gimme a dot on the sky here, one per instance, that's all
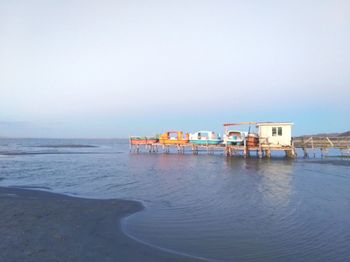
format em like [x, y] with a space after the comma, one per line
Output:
[105, 69]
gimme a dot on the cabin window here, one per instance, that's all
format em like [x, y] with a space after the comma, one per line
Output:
[277, 131]
[280, 131]
[274, 131]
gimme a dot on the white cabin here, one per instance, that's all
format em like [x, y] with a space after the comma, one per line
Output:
[275, 133]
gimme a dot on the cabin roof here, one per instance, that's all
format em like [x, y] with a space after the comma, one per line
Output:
[274, 124]
[258, 123]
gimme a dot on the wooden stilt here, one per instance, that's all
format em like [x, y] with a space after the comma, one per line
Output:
[268, 153]
[245, 151]
[324, 152]
[305, 152]
[260, 153]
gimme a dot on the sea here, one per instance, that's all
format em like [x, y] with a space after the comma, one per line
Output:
[206, 206]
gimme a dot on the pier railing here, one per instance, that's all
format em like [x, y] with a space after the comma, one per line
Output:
[322, 142]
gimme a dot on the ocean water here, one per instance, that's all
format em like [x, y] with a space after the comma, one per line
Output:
[209, 206]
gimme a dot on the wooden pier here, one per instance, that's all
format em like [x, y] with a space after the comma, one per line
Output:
[270, 137]
[262, 150]
[309, 146]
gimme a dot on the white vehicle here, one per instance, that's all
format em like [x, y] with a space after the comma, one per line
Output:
[234, 137]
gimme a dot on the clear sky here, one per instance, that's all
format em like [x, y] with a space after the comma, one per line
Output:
[115, 68]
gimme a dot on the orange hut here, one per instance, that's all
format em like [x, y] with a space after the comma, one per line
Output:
[174, 138]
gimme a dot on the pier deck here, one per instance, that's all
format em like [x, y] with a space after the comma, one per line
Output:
[229, 150]
[306, 144]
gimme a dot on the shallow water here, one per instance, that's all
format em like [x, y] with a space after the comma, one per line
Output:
[211, 206]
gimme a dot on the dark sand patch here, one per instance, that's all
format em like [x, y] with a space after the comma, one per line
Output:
[42, 226]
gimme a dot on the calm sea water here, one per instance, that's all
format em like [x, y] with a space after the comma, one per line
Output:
[211, 206]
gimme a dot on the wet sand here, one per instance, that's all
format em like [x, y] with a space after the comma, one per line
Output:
[42, 226]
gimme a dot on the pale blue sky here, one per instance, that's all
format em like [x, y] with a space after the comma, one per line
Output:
[114, 68]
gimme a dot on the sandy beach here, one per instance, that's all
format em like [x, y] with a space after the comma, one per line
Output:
[43, 226]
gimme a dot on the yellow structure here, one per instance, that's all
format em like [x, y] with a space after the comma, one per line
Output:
[173, 138]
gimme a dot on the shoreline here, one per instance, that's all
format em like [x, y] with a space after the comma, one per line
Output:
[40, 226]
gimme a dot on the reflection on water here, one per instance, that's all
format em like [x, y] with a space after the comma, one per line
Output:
[215, 206]
[230, 209]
